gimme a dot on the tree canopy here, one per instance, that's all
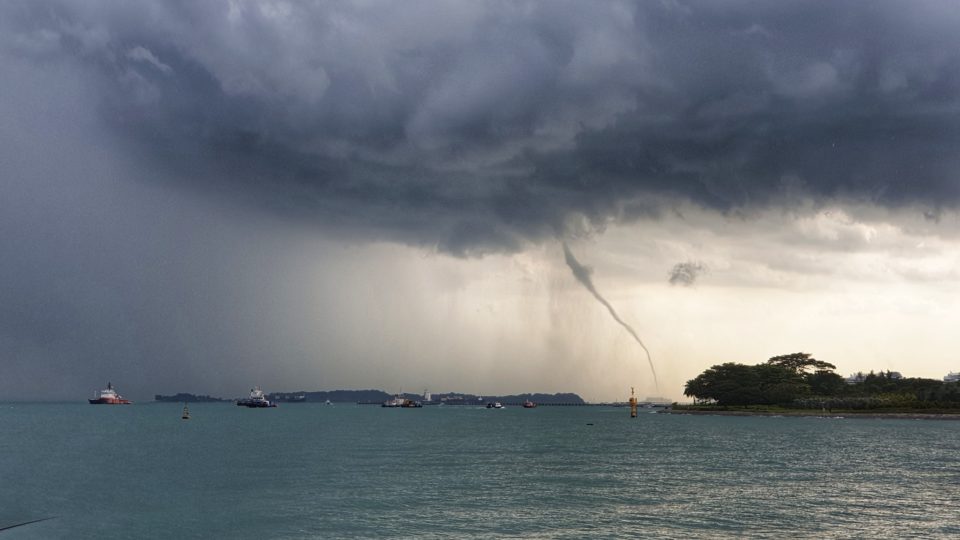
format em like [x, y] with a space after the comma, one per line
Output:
[800, 362]
[799, 380]
[739, 384]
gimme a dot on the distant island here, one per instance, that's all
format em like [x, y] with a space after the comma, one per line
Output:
[184, 397]
[798, 382]
[379, 396]
[447, 398]
[568, 398]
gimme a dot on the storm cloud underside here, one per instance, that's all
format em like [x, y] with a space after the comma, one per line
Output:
[480, 126]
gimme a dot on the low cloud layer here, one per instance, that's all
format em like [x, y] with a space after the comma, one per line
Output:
[481, 126]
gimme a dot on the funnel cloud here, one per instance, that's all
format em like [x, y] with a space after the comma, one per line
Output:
[685, 274]
[582, 273]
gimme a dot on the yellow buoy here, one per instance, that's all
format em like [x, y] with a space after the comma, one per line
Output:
[633, 404]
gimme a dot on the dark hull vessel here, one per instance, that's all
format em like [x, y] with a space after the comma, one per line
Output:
[256, 400]
[255, 404]
[402, 403]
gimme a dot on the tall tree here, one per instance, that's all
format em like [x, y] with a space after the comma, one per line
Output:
[825, 383]
[779, 384]
[738, 384]
[800, 362]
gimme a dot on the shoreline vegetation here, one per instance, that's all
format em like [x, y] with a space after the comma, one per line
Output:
[799, 385]
[902, 414]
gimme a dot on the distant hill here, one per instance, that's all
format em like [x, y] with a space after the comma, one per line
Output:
[540, 399]
[336, 396]
[377, 396]
[568, 398]
[184, 397]
[451, 398]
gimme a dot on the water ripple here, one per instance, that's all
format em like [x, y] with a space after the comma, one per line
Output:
[306, 471]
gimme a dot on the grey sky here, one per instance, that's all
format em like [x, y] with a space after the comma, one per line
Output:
[164, 164]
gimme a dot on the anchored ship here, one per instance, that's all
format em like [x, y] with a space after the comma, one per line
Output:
[256, 400]
[401, 402]
[109, 396]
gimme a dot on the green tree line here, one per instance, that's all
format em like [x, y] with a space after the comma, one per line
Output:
[799, 380]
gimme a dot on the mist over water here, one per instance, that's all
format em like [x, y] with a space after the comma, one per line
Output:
[582, 273]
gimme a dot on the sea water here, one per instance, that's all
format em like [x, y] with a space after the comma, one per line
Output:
[352, 471]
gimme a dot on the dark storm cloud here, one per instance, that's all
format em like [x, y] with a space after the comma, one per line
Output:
[477, 126]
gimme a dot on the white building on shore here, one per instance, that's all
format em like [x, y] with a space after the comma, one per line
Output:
[860, 376]
[856, 378]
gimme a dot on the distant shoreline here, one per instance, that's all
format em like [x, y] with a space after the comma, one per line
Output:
[822, 414]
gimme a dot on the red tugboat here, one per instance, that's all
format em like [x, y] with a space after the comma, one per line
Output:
[529, 404]
[109, 397]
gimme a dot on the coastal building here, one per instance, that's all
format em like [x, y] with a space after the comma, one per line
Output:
[856, 378]
[860, 376]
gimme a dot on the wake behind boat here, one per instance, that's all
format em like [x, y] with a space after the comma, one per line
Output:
[256, 400]
[109, 396]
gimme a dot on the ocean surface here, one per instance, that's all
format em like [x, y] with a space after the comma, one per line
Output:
[351, 471]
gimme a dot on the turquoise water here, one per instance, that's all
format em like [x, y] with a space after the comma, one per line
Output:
[347, 471]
